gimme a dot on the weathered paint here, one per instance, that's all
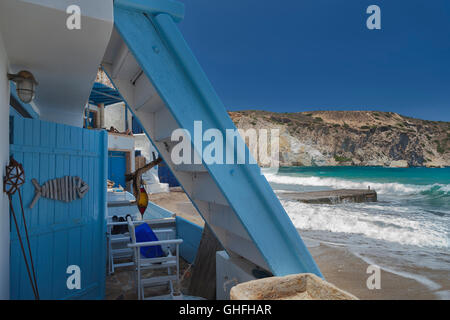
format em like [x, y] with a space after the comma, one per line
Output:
[61, 234]
[187, 94]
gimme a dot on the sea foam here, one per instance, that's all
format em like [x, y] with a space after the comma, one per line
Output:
[357, 220]
[336, 183]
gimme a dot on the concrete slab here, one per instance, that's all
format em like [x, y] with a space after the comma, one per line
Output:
[333, 196]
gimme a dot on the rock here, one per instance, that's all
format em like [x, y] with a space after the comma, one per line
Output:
[436, 164]
[362, 138]
[375, 163]
[399, 164]
[303, 286]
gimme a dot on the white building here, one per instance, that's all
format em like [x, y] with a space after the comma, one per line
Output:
[64, 69]
[104, 112]
[62, 43]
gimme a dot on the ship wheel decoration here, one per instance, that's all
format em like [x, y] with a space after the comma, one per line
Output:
[14, 178]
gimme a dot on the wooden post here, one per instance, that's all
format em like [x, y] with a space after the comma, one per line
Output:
[137, 175]
[203, 281]
[101, 115]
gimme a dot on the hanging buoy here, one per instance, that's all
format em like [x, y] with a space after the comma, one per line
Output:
[142, 201]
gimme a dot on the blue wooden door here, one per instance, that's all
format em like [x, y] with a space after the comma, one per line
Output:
[117, 165]
[61, 234]
[166, 176]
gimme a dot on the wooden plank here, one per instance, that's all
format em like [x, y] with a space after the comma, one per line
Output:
[203, 282]
[18, 131]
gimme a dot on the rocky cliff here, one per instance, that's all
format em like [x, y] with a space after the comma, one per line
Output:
[361, 138]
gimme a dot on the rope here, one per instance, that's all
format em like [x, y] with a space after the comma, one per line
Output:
[15, 177]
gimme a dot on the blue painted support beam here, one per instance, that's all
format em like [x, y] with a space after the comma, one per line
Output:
[162, 53]
[153, 7]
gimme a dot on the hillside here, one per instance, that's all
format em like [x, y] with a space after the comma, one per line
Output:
[362, 138]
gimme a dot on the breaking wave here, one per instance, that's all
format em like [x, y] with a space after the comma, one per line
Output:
[408, 214]
[359, 220]
[407, 230]
[381, 188]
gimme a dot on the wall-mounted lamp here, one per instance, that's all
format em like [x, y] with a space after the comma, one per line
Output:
[25, 85]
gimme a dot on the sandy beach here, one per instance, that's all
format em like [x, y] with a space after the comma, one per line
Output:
[338, 265]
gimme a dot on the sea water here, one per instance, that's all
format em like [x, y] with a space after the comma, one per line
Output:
[406, 232]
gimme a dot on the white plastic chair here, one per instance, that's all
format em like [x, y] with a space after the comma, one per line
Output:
[118, 249]
[170, 261]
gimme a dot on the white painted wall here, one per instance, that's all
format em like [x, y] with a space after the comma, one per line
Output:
[143, 144]
[4, 155]
[115, 117]
[33, 37]
[63, 61]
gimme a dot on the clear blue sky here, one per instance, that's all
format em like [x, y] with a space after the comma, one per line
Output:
[301, 55]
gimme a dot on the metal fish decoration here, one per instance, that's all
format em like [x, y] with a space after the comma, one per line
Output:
[63, 189]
